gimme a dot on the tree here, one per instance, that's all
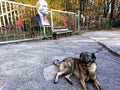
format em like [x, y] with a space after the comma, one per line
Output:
[112, 10]
[71, 5]
[106, 7]
[55, 4]
[52, 4]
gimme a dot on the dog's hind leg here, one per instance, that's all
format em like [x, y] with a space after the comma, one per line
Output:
[67, 77]
[59, 74]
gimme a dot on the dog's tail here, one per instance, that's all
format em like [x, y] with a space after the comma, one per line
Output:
[56, 63]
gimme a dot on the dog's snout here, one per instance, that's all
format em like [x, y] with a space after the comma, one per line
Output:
[86, 63]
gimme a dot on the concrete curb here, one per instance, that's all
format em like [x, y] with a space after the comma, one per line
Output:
[18, 41]
[109, 49]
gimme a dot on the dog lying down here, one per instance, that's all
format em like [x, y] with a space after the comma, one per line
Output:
[83, 68]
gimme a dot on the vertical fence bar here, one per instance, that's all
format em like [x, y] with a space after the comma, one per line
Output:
[79, 27]
[99, 23]
[14, 11]
[1, 31]
[18, 13]
[11, 16]
[2, 11]
[6, 10]
[51, 13]
[0, 16]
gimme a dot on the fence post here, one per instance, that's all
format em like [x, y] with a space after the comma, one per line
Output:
[87, 22]
[99, 24]
[51, 18]
[2, 12]
[107, 23]
[6, 35]
[79, 27]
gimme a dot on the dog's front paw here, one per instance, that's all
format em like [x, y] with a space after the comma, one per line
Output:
[71, 83]
[55, 82]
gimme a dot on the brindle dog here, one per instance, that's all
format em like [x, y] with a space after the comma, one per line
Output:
[83, 68]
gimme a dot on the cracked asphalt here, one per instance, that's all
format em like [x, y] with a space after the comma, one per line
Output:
[29, 65]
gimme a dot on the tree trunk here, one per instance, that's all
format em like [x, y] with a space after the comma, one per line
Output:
[112, 10]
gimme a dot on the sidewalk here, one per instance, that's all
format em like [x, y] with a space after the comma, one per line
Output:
[109, 39]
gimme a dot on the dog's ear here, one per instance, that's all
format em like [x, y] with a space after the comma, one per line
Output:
[81, 55]
[93, 56]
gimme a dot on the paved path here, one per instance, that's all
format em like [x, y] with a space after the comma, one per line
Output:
[111, 40]
[28, 65]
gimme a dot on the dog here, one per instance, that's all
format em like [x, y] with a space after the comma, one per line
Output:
[83, 68]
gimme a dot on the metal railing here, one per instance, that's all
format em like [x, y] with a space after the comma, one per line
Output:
[64, 19]
[17, 22]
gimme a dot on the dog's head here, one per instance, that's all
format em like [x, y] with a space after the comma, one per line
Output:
[87, 58]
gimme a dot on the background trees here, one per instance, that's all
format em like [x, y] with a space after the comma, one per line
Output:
[93, 8]
[54, 4]
[106, 8]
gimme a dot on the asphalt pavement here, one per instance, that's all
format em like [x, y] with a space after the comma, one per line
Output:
[29, 65]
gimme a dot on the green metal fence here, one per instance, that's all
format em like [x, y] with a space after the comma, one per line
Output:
[17, 22]
[64, 19]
